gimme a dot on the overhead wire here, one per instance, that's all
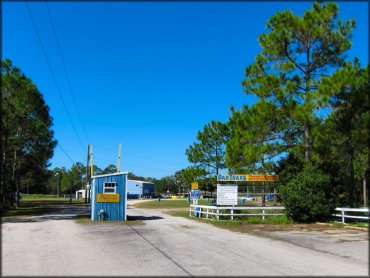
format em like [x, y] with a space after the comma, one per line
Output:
[127, 163]
[139, 156]
[71, 89]
[153, 159]
[66, 72]
[66, 153]
[53, 75]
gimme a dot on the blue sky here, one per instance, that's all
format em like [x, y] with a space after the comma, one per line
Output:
[148, 75]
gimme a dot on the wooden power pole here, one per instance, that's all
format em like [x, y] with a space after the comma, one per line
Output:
[87, 172]
[119, 159]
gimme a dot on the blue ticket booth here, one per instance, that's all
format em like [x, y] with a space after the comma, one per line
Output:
[109, 197]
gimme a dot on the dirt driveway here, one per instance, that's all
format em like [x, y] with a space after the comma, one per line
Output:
[162, 245]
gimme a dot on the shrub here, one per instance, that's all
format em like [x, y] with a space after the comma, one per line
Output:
[308, 196]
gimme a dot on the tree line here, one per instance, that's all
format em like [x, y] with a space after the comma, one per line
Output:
[27, 139]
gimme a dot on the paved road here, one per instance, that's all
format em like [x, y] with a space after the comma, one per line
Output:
[161, 245]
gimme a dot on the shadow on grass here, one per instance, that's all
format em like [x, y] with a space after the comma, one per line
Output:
[40, 210]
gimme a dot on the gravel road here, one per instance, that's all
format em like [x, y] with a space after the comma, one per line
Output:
[161, 245]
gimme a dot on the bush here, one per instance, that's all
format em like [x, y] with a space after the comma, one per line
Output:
[308, 196]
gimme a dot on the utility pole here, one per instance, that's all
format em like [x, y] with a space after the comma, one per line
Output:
[87, 172]
[119, 159]
[91, 162]
[13, 176]
[91, 168]
[59, 177]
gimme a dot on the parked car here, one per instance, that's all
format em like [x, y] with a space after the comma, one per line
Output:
[166, 196]
[249, 198]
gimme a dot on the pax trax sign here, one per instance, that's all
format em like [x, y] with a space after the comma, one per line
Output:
[237, 177]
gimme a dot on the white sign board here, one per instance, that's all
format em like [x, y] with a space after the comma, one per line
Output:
[227, 194]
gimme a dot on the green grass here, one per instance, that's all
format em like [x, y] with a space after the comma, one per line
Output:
[238, 225]
[27, 210]
[282, 219]
[248, 224]
[46, 197]
[38, 197]
[169, 204]
[36, 204]
[363, 225]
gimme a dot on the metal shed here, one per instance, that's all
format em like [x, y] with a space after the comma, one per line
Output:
[139, 189]
[109, 197]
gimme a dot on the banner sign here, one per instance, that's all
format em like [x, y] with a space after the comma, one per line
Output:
[263, 178]
[107, 198]
[256, 177]
[232, 177]
[227, 194]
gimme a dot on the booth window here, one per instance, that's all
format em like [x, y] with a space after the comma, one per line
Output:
[109, 187]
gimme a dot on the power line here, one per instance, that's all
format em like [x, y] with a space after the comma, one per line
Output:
[126, 163]
[66, 153]
[66, 72]
[53, 75]
[153, 159]
[105, 148]
[143, 157]
[130, 164]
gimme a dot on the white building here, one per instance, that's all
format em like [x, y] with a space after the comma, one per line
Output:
[80, 193]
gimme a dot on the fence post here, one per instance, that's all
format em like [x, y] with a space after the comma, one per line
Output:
[217, 215]
[232, 214]
[207, 213]
[343, 216]
[263, 214]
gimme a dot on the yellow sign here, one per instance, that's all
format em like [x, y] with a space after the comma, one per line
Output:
[194, 185]
[263, 178]
[237, 177]
[107, 198]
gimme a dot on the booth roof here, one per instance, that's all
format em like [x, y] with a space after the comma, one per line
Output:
[108, 175]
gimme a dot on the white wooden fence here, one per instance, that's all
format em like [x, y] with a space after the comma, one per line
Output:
[217, 211]
[210, 212]
[360, 211]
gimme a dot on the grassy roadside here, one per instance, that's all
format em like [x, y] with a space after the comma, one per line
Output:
[37, 204]
[254, 224]
[180, 208]
[169, 204]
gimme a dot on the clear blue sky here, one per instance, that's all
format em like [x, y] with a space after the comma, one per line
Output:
[148, 75]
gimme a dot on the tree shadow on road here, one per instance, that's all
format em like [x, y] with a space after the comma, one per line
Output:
[143, 218]
[46, 214]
